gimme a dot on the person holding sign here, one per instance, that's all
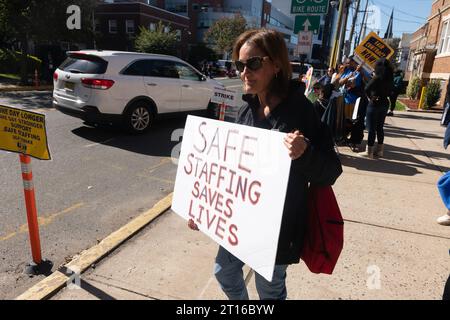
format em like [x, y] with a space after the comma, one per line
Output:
[275, 102]
[378, 91]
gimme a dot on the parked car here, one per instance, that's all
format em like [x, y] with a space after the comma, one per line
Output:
[128, 88]
[298, 70]
[227, 68]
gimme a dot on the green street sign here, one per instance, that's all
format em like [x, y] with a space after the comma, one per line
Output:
[307, 23]
[310, 6]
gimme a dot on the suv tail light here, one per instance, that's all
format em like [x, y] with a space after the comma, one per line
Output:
[101, 84]
[55, 76]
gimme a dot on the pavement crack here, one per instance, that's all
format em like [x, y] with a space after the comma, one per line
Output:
[397, 229]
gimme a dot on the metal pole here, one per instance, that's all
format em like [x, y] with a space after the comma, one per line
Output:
[333, 57]
[343, 32]
[93, 30]
[355, 17]
[362, 25]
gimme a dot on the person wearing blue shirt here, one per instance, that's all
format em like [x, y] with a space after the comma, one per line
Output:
[351, 86]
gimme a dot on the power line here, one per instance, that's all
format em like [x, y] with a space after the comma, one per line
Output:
[398, 10]
[396, 19]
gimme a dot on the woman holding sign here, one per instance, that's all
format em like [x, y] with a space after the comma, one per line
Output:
[378, 91]
[275, 102]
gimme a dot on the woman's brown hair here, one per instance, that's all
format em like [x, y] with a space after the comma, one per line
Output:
[272, 44]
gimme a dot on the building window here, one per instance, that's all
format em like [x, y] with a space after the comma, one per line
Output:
[129, 26]
[112, 26]
[178, 32]
[444, 43]
[152, 26]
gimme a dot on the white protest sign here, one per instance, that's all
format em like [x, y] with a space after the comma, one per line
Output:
[232, 182]
[226, 96]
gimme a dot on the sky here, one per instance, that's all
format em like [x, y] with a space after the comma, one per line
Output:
[409, 15]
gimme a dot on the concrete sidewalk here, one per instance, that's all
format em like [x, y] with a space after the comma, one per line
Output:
[393, 249]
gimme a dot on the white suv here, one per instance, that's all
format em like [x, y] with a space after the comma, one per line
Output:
[128, 88]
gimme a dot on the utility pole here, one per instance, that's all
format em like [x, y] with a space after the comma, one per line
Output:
[343, 30]
[355, 17]
[362, 26]
[93, 29]
[334, 52]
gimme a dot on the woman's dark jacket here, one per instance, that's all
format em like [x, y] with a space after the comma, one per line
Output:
[319, 164]
[378, 90]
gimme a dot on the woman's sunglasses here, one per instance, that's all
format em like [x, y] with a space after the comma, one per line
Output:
[253, 64]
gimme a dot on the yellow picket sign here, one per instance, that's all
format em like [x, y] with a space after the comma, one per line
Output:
[23, 132]
[371, 49]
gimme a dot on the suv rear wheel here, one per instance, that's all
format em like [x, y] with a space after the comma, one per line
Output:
[139, 117]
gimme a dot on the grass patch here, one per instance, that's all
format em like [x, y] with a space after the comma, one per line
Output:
[399, 106]
[10, 76]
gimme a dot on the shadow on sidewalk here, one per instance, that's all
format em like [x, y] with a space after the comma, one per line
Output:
[396, 132]
[397, 161]
[416, 116]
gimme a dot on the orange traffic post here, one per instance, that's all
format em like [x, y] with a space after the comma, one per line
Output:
[30, 202]
[36, 78]
[222, 111]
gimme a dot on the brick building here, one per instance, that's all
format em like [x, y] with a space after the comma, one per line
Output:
[429, 56]
[440, 34]
[117, 24]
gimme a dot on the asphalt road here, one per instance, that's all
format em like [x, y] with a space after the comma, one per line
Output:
[98, 180]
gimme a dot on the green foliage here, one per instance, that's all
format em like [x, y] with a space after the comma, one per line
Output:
[433, 93]
[223, 33]
[43, 20]
[10, 62]
[157, 41]
[413, 88]
[199, 53]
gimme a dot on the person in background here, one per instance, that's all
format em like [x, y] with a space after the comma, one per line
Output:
[357, 130]
[323, 94]
[210, 70]
[378, 91]
[337, 76]
[326, 78]
[351, 86]
[444, 185]
[444, 190]
[397, 89]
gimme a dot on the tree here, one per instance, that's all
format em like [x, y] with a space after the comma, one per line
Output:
[223, 33]
[393, 43]
[161, 40]
[413, 88]
[43, 20]
[200, 52]
[433, 93]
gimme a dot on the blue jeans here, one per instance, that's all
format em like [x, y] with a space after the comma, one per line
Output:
[375, 117]
[228, 271]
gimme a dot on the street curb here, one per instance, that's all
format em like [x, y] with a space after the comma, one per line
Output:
[29, 88]
[419, 110]
[423, 111]
[58, 279]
